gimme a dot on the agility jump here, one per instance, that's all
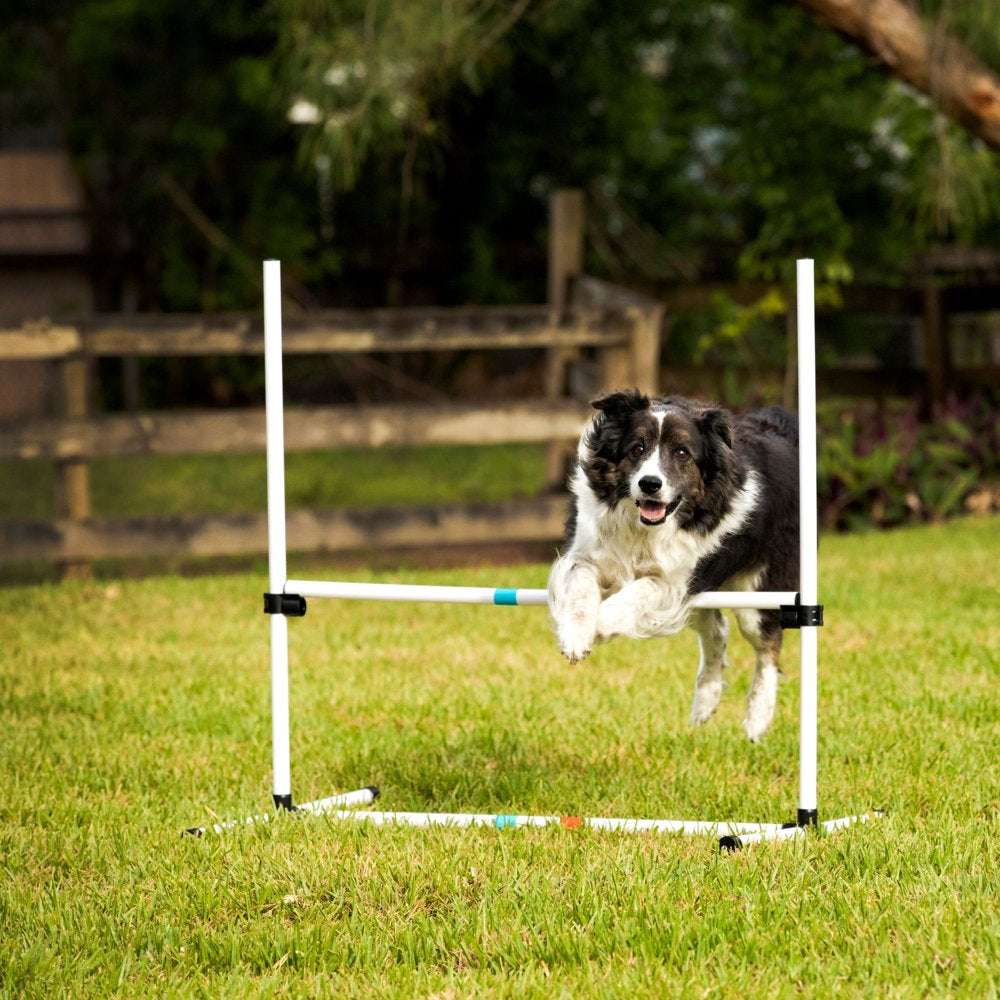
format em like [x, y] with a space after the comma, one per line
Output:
[288, 598]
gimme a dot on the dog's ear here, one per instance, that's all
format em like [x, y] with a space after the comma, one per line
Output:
[607, 432]
[621, 403]
[716, 427]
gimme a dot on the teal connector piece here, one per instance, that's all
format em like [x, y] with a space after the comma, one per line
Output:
[505, 822]
[504, 595]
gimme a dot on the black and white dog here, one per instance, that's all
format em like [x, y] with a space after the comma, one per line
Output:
[671, 498]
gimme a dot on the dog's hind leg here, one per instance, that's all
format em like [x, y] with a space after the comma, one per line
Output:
[712, 629]
[763, 631]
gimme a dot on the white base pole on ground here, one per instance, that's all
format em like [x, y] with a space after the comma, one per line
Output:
[503, 821]
[793, 831]
[363, 796]
[732, 835]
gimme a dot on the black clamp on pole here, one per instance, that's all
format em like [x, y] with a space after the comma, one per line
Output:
[807, 817]
[289, 605]
[798, 614]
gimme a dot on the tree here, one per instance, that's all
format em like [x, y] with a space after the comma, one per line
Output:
[926, 56]
[699, 132]
[714, 141]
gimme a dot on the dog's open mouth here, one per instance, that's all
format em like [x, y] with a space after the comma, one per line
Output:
[654, 512]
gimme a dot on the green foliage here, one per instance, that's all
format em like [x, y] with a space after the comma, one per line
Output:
[734, 136]
[883, 466]
[365, 74]
[744, 331]
[724, 139]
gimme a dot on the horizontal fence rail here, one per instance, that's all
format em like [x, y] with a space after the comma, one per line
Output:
[530, 521]
[318, 427]
[326, 331]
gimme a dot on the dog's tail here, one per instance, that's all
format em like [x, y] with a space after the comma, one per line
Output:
[775, 420]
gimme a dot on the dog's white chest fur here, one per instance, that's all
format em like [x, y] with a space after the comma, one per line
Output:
[622, 549]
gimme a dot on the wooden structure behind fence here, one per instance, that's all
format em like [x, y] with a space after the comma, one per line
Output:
[622, 337]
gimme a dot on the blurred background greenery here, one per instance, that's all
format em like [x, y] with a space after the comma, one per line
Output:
[397, 153]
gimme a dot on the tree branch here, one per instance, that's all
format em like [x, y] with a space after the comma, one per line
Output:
[930, 60]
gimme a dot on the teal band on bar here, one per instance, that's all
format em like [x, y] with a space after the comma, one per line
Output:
[505, 595]
[505, 822]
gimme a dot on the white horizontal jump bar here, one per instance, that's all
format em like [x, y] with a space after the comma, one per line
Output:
[760, 600]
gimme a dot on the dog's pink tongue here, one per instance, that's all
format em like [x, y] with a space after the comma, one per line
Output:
[652, 510]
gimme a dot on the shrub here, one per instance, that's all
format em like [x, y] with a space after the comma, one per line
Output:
[881, 465]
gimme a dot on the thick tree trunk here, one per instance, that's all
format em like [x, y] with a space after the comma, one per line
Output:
[928, 59]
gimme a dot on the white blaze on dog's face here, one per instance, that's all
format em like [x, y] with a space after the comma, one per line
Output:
[656, 456]
[664, 447]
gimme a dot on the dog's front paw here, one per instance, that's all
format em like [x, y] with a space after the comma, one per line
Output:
[706, 701]
[576, 641]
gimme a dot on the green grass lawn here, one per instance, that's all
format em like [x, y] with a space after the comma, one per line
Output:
[149, 485]
[134, 709]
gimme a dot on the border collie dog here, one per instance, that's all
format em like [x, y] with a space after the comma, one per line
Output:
[671, 498]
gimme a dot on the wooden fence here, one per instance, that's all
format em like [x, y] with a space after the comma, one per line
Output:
[622, 333]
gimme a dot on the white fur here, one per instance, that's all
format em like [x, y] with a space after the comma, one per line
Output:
[762, 698]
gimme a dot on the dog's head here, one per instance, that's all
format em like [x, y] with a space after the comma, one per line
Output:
[662, 455]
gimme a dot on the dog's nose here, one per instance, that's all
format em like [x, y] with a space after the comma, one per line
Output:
[650, 485]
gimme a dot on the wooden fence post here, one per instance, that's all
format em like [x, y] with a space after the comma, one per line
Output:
[73, 475]
[566, 224]
[935, 340]
[645, 347]
[636, 363]
[566, 237]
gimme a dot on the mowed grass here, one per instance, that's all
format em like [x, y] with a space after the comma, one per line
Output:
[132, 710]
[237, 484]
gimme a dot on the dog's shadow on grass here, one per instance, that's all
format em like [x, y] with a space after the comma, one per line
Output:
[682, 772]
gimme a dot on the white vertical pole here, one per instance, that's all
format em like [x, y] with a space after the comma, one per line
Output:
[808, 538]
[277, 558]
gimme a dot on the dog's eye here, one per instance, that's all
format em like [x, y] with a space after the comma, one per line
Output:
[637, 450]
[681, 454]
